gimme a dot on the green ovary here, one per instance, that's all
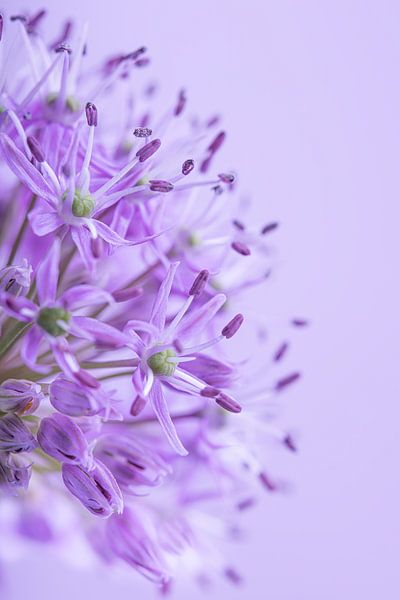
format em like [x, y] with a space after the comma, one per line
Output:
[82, 206]
[159, 364]
[70, 102]
[48, 320]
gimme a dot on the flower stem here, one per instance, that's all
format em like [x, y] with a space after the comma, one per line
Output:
[21, 232]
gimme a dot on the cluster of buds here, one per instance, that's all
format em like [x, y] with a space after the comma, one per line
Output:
[123, 264]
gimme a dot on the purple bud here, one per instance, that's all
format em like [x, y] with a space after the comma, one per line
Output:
[15, 436]
[159, 185]
[241, 248]
[280, 353]
[187, 166]
[209, 392]
[180, 105]
[85, 378]
[63, 48]
[96, 489]
[15, 474]
[268, 228]
[199, 283]
[62, 439]
[217, 142]
[228, 403]
[142, 132]
[227, 177]
[148, 150]
[232, 327]
[20, 396]
[75, 400]
[285, 381]
[91, 114]
[36, 148]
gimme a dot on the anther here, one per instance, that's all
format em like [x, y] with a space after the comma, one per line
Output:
[241, 248]
[159, 185]
[187, 166]
[148, 150]
[199, 283]
[142, 132]
[36, 148]
[233, 326]
[91, 114]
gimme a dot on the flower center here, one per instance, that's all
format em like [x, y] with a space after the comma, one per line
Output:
[82, 205]
[49, 319]
[159, 363]
[71, 104]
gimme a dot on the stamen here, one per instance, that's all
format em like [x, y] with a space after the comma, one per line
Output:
[159, 185]
[180, 104]
[199, 283]
[63, 47]
[286, 381]
[34, 21]
[209, 392]
[127, 294]
[187, 167]
[91, 114]
[142, 132]
[21, 18]
[228, 403]
[289, 443]
[267, 482]
[233, 326]
[280, 353]
[148, 150]
[299, 322]
[36, 148]
[227, 177]
[217, 142]
[63, 36]
[241, 248]
[238, 224]
[269, 227]
[137, 406]
[1, 26]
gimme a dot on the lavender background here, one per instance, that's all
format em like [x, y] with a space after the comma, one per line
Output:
[311, 98]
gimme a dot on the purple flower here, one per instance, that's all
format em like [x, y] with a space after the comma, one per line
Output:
[60, 437]
[96, 489]
[20, 396]
[76, 400]
[15, 435]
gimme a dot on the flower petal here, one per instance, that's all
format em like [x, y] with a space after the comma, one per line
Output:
[44, 220]
[18, 307]
[30, 349]
[81, 296]
[25, 171]
[159, 312]
[92, 329]
[160, 408]
[193, 324]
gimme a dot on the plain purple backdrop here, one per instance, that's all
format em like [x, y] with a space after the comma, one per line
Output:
[310, 95]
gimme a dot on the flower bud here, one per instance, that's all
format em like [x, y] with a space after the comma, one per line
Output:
[76, 400]
[15, 474]
[20, 396]
[96, 489]
[60, 437]
[15, 436]
[16, 280]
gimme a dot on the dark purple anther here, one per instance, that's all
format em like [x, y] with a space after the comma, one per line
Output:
[245, 504]
[91, 114]
[159, 185]
[180, 105]
[289, 443]
[228, 403]
[36, 148]
[280, 353]
[148, 150]
[233, 326]
[18, 18]
[34, 21]
[299, 322]
[138, 405]
[199, 283]
[135, 54]
[233, 576]
[65, 33]
[63, 48]
[86, 379]
[267, 482]
[217, 142]
[187, 166]
[127, 294]
[142, 132]
[238, 224]
[241, 248]
[227, 177]
[1, 26]
[285, 381]
[142, 62]
[268, 228]
[209, 392]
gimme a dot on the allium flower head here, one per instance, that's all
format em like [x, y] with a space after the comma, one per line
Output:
[125, 400]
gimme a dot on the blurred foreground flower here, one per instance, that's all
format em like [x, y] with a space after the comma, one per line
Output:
[124, 261]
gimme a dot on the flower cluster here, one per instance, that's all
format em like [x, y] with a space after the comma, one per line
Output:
[123, 262]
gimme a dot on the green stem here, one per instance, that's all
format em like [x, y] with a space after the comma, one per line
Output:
[21, 232]
[14, 334]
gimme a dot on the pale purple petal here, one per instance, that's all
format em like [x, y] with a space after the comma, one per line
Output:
[160, 408]
[81, 296]
[159, 312]
[43, 220]
[30, 349]
[47, 274]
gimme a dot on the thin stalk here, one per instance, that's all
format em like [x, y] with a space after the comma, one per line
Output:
[21, 232]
